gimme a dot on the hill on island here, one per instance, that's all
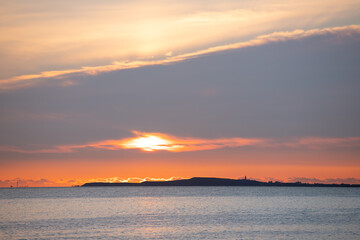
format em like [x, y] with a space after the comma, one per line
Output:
[207, 181]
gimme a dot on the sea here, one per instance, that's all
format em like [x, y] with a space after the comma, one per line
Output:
[180, 213]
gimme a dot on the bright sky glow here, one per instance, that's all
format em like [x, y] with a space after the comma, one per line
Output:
[148, 143]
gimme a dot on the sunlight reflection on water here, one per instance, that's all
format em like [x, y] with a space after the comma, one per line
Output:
[180, 213]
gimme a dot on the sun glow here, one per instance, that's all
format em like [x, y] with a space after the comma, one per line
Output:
[149, 143]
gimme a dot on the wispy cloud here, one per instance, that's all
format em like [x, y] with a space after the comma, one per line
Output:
[158, 141]
[33, 79]
[316, 142]
[56, 149]
[42, 35]
[150, 142]
[342, 142]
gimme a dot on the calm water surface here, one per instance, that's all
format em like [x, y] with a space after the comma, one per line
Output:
[180, 213]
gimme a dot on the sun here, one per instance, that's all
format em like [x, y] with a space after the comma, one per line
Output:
[148, 143]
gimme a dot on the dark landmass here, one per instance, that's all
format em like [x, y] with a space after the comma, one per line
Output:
[205, 181]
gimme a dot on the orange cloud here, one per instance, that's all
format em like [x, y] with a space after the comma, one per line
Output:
[158, 141]
[33, 79]
[60, 36]
[150, 142]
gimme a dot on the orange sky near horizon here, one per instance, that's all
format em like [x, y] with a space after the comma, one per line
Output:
[70, 172]
[162, 156]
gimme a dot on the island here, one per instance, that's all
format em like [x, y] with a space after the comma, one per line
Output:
[209, 181]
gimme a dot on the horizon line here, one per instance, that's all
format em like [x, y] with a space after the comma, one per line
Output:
[136, 180]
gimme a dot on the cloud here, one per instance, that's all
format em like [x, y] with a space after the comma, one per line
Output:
[132, 179]
[150, 142]
[350, 141]
[317, 142]
[33, 79]
[159, 141]
[62, 34]
[56, 149]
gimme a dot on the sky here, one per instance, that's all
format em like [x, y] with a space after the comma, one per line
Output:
[128, 91]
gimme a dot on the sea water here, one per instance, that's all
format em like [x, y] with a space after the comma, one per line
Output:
[180, 213]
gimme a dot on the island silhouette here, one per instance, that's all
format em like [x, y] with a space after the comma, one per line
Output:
[210, 181]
